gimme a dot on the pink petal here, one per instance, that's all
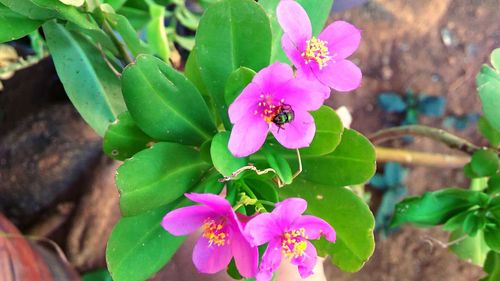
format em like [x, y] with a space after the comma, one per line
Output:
[186, 220]
[302, 94]
[307, 73]
[245, 103]
[262, 229]
[306, 262]
[295, 22]
[218, 204]
[315, 227]
[211, 258]
[343, 39]
[341, 75]
[292, 52]
[264, 275]
[289, 210]
[248, 135]
[273, 76]
[245, 256]
[270, 260]
[297, 134]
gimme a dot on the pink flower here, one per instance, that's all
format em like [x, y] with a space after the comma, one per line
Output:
[321, 58]
[222, 236]
[287, 231]
[274, 101]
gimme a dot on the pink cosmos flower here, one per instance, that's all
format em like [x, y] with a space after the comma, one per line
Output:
[287, 231]
[321, 58]
[222, 236]
[274, 101]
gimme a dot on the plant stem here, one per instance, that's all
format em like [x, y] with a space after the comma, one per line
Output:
[258, 205]
[440, 135]
[404, 156]
[478, 184]
[121, 48]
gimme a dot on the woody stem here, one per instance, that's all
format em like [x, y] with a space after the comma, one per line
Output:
[439, 135]
[405, 156]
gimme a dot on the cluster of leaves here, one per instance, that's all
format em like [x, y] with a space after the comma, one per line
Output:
[472, 216]
[168, 113]
[89, 40]
[391, 184]
[171, 129]
[411, 106]
[461, 122]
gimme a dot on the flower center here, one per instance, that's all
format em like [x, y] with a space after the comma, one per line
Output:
[216, 232]
[268, 107]
[293, 243]
[316, 50]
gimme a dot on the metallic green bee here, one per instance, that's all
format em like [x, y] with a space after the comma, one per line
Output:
[284, 115]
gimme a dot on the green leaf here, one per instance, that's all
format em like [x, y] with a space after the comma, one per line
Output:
[138, 18]
[347, 213]
[89, 83]
[236, 82]
[471, 224]
[495, 59]
[329, 131]
[116, 4]
[211, 183]
[484, 163]
[494, 185]
[352, 162]
[164, 104]
[492, 267]
[231, 34]
[437, 207]
[278, 163]
[97, 35]
[14, 25]
[318, 12]
[222, 158]
[186, 17]
[468, 172]
[122, 25]
[139, 246]
[328, 136]
[492, 135]
[263, 189]
[123, 138]
[192, 72]
[472, 249]
[456, 222]
[69, 13]
[494, 208]
[28, 9]
[157, 176]
[98, 275]
[492, 237]
[186, 42]
[488, 85]
[155, 31]
[76, 3]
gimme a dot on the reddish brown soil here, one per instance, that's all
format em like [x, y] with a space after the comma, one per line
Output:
[403, 48]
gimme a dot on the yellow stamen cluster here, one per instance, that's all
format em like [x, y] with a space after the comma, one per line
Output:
[268, 108]
[316, 50]
[215, 232]
[293, 243]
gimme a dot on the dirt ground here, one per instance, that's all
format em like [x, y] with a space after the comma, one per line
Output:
[431, 46]
[403, 47]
